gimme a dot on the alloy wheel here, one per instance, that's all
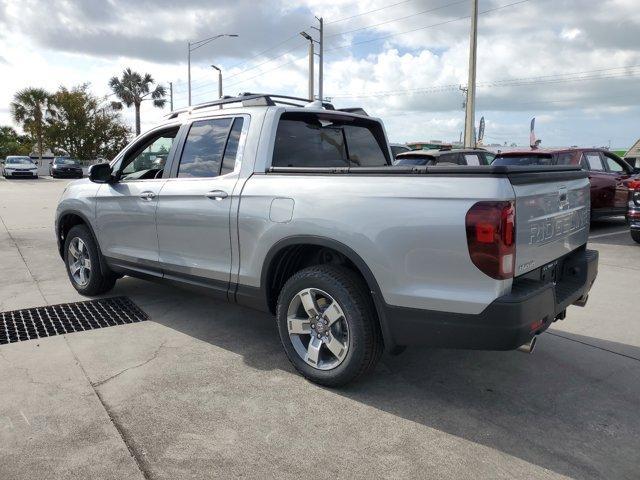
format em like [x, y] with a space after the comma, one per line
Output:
[318, 329]
[79, 262]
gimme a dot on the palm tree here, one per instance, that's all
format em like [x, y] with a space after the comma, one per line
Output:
[133, 89]
[29, 108]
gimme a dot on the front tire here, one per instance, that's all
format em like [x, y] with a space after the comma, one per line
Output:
[328, 326]
[635, 234]
[82, 259]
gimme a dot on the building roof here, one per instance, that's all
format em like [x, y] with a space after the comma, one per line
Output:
[634, 151]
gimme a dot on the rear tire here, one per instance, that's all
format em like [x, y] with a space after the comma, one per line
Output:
[86, 277]
[635, 234]
[331, 346]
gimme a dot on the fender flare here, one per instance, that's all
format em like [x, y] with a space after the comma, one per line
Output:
[103, 264]
[348, 253]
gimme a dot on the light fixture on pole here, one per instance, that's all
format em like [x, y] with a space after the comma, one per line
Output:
[311, 62]
[191, 46]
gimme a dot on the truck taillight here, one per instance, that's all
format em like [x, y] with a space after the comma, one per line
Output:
[491, 238]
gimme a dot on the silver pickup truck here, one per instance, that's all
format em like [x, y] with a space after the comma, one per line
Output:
[295, 209]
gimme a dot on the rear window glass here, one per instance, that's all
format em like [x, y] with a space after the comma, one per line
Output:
[594, 162]
[472, 158]
[524, 160]
[312, 140]
[565, 159]
[413, 160]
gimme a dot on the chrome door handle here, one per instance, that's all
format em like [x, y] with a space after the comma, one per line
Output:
[216, 195]
[147, 195]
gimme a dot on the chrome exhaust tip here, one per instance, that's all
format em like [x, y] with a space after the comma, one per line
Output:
[529, 346]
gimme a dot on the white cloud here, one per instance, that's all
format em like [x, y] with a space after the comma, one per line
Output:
[89, 41]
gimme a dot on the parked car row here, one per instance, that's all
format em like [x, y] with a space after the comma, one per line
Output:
[22, 166]
[296, 209]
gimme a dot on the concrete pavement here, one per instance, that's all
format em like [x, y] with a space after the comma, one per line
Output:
[203, 389]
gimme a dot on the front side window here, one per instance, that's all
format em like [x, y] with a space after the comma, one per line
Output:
[204, 148]
[613, 165]
[148, 159]
[318, 140]
[594, 162]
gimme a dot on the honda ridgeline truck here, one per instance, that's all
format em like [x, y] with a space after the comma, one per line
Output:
[295, 209]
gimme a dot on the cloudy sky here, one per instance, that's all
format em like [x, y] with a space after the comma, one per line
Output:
[573, 64]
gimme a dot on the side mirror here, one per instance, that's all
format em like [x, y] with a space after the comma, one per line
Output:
[100, 173]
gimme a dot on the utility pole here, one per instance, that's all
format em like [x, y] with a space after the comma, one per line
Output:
[470, 108]
[311, 62]
[171, 95]
[320, 58]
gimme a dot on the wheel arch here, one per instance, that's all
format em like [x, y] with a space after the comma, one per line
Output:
[68, 220]
[273, 262]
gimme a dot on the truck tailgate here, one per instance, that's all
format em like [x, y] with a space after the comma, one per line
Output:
[552, 216]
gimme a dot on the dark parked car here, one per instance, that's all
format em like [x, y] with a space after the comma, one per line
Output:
[458, 156]
[609, 174]
[634, 210]
[65, 167]
[397, 148]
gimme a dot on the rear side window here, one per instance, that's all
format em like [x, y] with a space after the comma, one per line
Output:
[316, 140]
[472, 159]
[565, 159]
[594, 162]
[204, 148]
[524, 160]
[230, 153]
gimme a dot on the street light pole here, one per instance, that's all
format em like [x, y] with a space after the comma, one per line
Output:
[189, 70]
[311, 62]
[470, 108]
[191, 46]
[219, 80]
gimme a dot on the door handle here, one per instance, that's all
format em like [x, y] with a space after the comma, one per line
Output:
[147, 195]
[216, 195]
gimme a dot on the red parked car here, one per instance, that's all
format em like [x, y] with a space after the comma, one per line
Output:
[609, 174]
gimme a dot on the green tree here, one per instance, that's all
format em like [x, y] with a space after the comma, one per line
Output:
[133, 89]
[12, 143]
[29, 109]
[82, 126]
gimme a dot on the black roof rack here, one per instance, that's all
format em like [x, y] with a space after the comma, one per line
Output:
[252, 100]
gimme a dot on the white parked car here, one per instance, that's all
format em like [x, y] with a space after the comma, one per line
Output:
[19, 166]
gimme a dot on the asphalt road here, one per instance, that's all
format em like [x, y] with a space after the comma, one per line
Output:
[203, 389]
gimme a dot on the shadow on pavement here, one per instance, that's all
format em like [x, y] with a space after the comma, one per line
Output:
[570, 407]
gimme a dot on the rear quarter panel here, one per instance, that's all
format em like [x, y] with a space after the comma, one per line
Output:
[409, 230]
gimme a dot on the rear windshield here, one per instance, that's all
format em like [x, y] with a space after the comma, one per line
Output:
[414, 160]
[325, 140]
[542, 159]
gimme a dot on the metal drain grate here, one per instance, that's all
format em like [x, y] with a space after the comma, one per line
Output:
[39, 322]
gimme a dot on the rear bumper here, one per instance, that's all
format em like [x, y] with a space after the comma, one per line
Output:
[507, 322]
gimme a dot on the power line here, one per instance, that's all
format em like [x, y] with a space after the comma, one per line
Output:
[397, 19]
[513, 82]
[367, 13]
[377, 39]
